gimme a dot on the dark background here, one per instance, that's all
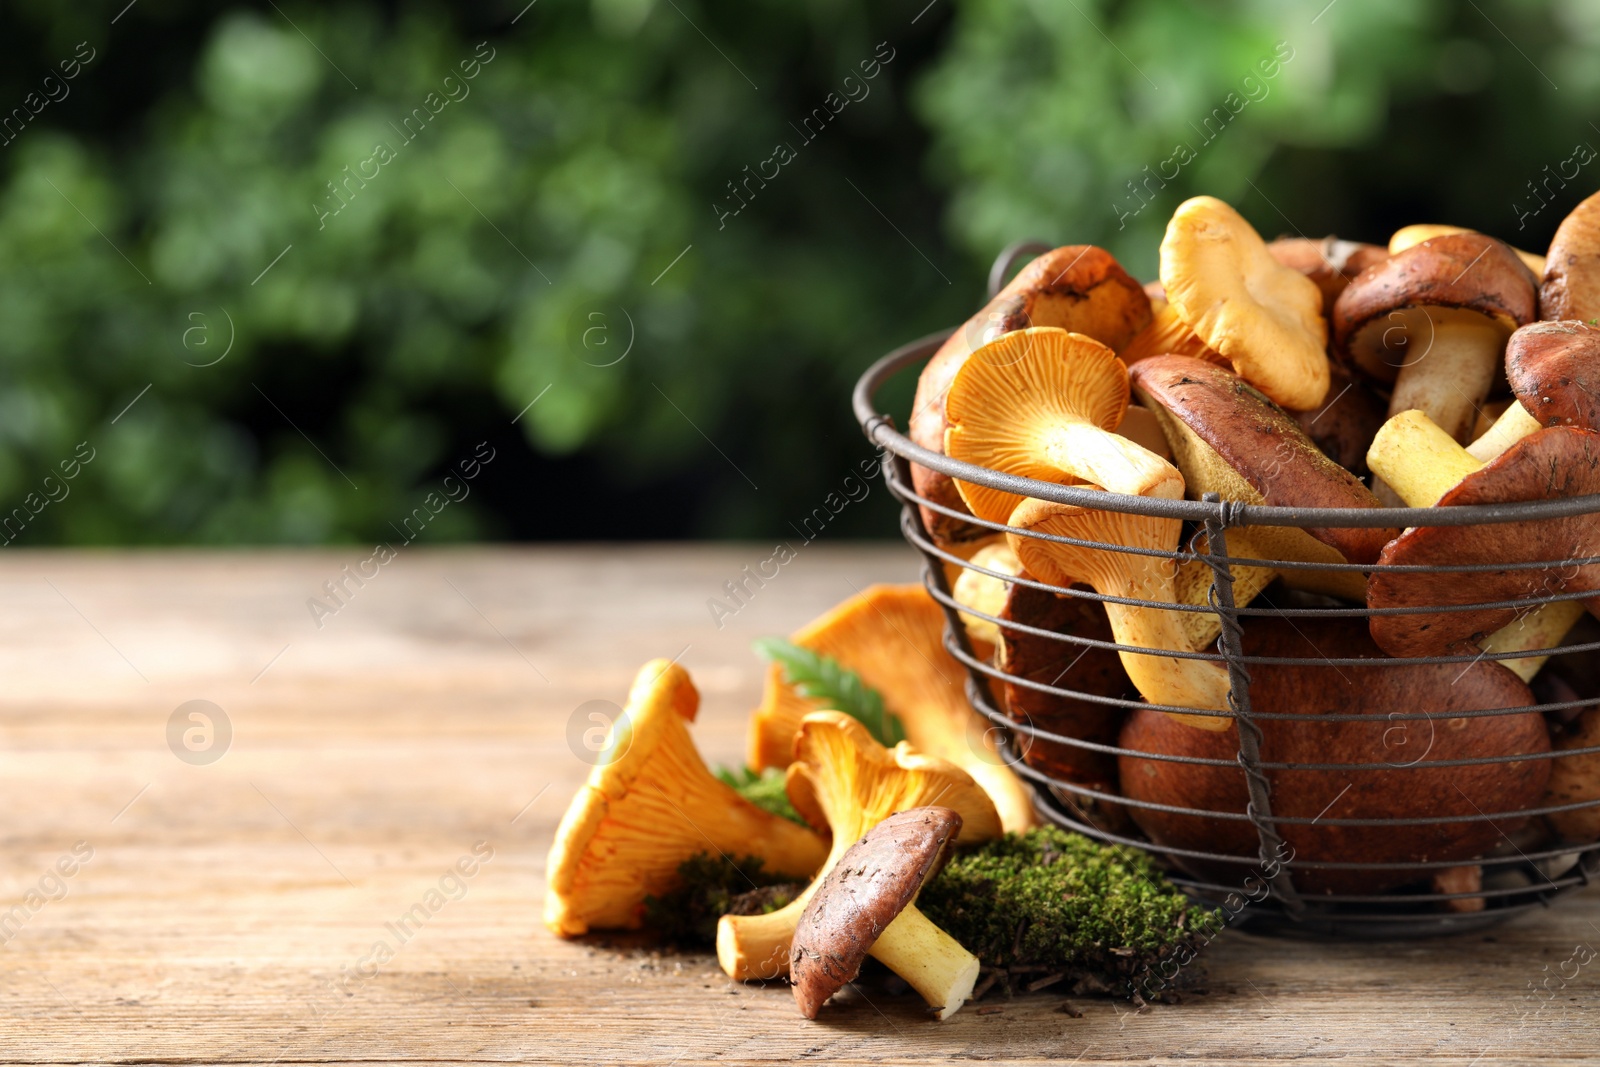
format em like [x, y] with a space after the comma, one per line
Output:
[138, 213]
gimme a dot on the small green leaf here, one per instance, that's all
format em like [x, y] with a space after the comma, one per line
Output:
[765, 790]
[825, 679]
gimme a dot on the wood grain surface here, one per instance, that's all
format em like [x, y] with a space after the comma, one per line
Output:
[231, 912]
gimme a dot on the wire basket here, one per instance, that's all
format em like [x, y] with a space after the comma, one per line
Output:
[1268, 882]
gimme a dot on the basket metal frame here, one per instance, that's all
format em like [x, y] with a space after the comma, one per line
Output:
[1285, 909]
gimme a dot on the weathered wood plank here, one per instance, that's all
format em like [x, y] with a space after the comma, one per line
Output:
[229, 913]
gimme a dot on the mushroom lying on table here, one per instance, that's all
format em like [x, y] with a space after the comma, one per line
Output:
[1263, 317]
[1434, 320]
[1571, 285]
[1419, 460]
[843, 781]
[1409, 236]
[1229, 439]
[649, 804]
[866, 904]
[893, 637]
[1080, 288]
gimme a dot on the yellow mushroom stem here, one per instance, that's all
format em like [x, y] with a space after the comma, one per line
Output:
[1512, 426]
[1422, 463]
[933, 962]
[1451, 358]
[1192, 683]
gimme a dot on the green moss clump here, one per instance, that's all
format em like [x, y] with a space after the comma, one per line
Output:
[1053, 902]
[711, 887]
[765, 790]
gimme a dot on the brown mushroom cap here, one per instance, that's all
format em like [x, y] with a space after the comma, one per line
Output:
[1258, 441]
[1408, 788]
[1346, 421]
[1571, 286]
[1554, 368]
[1560, 462]
[1265, 318]
[873, 882]
[1466, 271]
[1080, 288]
[1330, 262]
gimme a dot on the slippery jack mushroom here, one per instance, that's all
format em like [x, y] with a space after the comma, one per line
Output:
[1229, 439]
[1330, 262]
[1408, 236]
[649, 804]
[867, 904]
[844, 781]
[1420, 461]
[1571, 285]
[1263, 317]
[1554, 371]
[893, 637]
[1434, 320]
[1080, 288]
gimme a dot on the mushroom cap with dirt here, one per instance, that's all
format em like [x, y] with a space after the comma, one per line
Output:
[1434, 320]
[1263, 317]
[1559, 462]
[893, 637]
[844, 782]
[866, 904]
[1395, 783]
[1080, 288]
[650, 804]
[1571, 285]
[1229, 439]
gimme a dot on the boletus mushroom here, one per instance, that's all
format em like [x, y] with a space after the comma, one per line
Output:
[1554, 371]
[1329, 262]
[1227, 438]
[649, 804]
[1263, 317]
[1576, 780]
[1408, 236]
[1080, 288]
[1397, 781]
[866, 905]
[1571, 285]
[893, 637]
[843, 781]
[1559, 462]
[1434, 320]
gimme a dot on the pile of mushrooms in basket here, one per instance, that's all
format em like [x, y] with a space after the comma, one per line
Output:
[876, 816]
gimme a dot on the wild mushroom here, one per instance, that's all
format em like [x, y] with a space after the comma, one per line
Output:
[1434, 320]
[1263, 317]
[893, 637]
[1396, 781]
[1576, 779]
[1167, 333]
[1330, 262]
[866, 905]
[1229, 439]
[844, 781]
[1344, 424]
[1554, 370]
[1571, 286]
[650, 804]
[1043, 403]
[1409, 236]
[1079, 288]
[1175, 681]
[984, 592]
[1419, 460]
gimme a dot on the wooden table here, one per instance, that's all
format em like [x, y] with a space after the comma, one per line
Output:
[230, 910]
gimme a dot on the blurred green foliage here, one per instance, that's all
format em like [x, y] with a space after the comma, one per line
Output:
[584, 171]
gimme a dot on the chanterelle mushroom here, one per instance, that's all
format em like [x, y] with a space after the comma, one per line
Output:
[843, 780]
[1080, 288]
[893, 637]
[1571, 285]
[1559, 462]
[1229, 439]
[1263, 317]
[1434, 320]
[649, 805]
[866, 905]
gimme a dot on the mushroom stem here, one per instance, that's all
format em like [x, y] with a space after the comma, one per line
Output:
[932, 961]
[1508, 429]
[1451, 377]
[1109, 460]
[1422, 463]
